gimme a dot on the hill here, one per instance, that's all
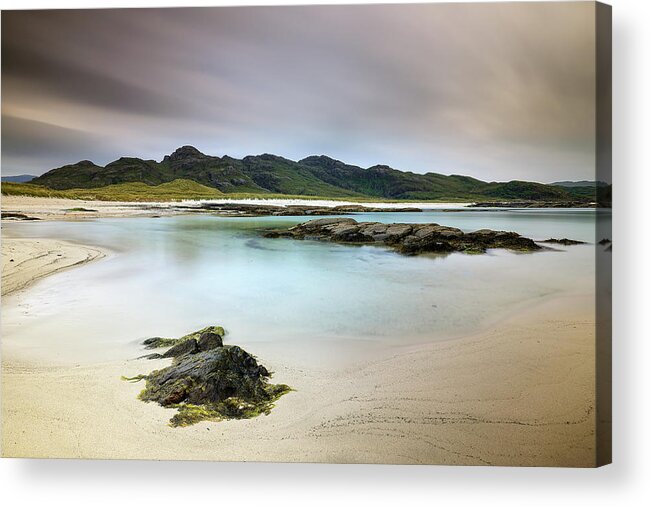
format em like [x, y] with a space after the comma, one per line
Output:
[582, 183]
[21, 178]
[312, 176]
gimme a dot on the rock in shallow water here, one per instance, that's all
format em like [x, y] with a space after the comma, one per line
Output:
[250, 210]
[564, 241]
[209, 381]
[409, 239]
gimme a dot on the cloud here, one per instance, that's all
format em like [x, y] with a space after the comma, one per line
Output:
[496, 91]
[35, 147]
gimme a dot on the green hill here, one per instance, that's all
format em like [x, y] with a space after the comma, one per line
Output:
[21, 178]
[270, 174]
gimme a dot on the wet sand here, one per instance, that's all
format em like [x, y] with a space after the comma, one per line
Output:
[27, 260]
[519, 393]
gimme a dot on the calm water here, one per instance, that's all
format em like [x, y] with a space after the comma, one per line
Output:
[169, 276]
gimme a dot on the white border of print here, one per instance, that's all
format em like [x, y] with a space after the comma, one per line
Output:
[625, 482]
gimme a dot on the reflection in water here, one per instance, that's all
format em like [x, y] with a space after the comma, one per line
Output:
[255, 243]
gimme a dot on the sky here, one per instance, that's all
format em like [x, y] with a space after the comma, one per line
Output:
[495, 91]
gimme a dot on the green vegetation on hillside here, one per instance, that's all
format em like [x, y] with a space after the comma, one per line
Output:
[259, 174]
[144, 193]
[172, 191]
[189, 174]
[524, 190]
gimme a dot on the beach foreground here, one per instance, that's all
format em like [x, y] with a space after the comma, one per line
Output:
[520, 393]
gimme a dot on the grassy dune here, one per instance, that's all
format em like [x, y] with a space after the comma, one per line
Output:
[176, 190]
[173, 191]
[183, 189]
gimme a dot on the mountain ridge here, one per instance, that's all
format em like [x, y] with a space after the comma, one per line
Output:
[581, 183]
[316, 175]
[19, 178]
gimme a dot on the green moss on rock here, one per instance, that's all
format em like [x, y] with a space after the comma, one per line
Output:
[158, 342]
[210, 329]
[208, 380]
[230, 408]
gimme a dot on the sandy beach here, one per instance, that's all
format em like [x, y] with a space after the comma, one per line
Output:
[518, 393]
[27, 260]
[71, 209]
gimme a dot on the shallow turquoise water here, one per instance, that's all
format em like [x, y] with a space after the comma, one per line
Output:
[173, 275]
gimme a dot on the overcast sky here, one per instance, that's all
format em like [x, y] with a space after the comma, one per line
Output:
[495, 91]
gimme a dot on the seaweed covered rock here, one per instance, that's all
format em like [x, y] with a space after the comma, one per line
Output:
[208, 380]
[10, 215]
[576, 203]
[210, 340]
[254, 210]
[564, 241]
[409, 239]
[185, 347]
[158, 342]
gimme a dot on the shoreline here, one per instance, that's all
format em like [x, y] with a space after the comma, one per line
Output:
[54, 208]
[27, 260]
[519, 391]
[513, 395]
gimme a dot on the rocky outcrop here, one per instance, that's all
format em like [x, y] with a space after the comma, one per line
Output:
[208, 380]
[209, 340]
[535, 204]
[255, 210]
[564, 241]
[410, 239]
[10, 215]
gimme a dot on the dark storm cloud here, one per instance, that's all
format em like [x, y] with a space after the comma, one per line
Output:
[497, 91]
[34, 146]
[59, 55]
[62, 79]
[24, 138]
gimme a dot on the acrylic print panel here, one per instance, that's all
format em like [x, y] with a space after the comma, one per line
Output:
[370, 234]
